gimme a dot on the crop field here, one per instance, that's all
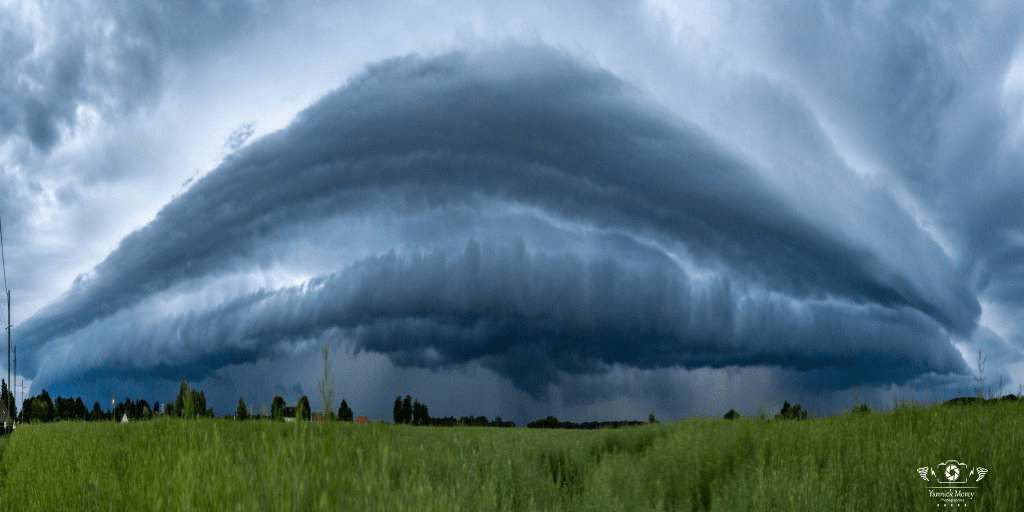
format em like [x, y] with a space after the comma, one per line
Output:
[851, 462]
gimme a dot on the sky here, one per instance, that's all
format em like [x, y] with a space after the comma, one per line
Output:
[593, 210]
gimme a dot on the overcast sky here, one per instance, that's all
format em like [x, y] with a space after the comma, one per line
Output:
[592, 210]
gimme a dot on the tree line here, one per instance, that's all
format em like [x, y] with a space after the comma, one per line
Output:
[191, 403]
[42, 408]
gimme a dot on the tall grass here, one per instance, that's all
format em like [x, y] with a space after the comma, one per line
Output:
[864, 461]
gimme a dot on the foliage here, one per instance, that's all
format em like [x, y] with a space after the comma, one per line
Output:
[848, 462]
[241, 412]
[407, 409]
[552, 422]
[7, 399]
[277, 408]
[732, 414]
[344, 412]
[791, 412]
[420, 414]
[302, 411]
[396, 412]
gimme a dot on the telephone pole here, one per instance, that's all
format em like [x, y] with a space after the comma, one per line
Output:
[3, 261]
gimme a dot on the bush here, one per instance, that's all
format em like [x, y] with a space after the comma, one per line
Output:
[732, 414]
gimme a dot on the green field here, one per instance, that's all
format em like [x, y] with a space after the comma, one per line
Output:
[851, 462]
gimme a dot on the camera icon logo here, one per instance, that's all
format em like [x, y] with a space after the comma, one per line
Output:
[952, 472]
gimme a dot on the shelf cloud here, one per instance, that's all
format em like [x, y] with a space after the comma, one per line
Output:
[568, 204]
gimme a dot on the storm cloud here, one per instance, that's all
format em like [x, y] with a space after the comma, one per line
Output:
[574, 207]
[674, 251]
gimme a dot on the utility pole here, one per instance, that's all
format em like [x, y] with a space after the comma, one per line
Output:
[3, 260]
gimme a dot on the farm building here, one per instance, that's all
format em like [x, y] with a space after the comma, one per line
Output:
[361, 420]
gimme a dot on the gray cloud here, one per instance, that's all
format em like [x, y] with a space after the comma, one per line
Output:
[64, 59]
[687, 254]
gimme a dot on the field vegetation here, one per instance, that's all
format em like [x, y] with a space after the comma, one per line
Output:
[862, 460]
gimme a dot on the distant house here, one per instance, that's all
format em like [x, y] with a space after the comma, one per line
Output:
[318, 416]
[361, 420]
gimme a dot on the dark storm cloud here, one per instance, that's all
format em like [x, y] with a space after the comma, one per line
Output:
[530, 316]
[107, 57]
[488, 132]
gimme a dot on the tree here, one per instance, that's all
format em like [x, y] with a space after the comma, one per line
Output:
[119, 412]
[420, 414]
[791, 412]
[97, 412]
[41, 410]
[7, 398]
[344, 412]
[277, 408]
[42, 407]
[241, 412]
[407, 409]
[199, 403]
[326, 386]
[81, 412]
[302, 412]
[183, 404]
[129, 409]
[142, 409]
[26, 411]
[396, 411]
[732, 414]
[156, 407]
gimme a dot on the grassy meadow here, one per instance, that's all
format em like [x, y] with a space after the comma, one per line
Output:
[850, 462]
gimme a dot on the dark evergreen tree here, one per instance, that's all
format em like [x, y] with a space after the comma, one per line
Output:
[97, 412]
[7, 398]
[344, 412]
[241, 412]
[303, 412]
[26, 411]
[81, 412]
[396, 411]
